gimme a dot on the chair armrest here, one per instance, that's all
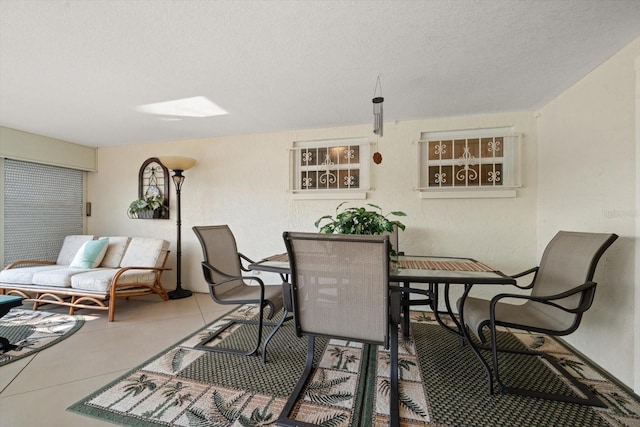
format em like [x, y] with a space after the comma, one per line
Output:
[395, 308]
[395, 300]
[246, 259]
[287, 296]
[548, 300]
[402, 290]
[29, 262]
[526, 273]
[208, 268]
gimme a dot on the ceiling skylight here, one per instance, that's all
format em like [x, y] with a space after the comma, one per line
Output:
[197, 106]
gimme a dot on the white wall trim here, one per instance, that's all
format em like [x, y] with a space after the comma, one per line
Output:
[469, 194]
[328, 195]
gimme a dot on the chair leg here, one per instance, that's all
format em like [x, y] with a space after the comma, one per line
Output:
[260, 325]
[466, 337]
[253, 351]
[283, 419]
[394, 406]
[272, 310]
[273, 332]
[590, 398]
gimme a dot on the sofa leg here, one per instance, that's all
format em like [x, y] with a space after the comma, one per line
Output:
[112, 309]
[72, 309]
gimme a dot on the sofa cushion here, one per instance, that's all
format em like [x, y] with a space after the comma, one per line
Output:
[145, 252]
[115, 251]
[58, 278]
[98, 280]
[70, 248]
[24, 275]
[90, 254]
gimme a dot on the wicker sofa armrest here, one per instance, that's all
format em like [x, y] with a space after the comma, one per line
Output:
[26, 262]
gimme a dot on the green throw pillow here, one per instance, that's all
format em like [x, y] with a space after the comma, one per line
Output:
[90, 254]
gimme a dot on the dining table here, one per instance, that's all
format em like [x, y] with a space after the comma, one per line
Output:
[431, 278]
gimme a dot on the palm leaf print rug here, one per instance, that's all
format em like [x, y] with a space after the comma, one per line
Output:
[441, 384]
[32, 331]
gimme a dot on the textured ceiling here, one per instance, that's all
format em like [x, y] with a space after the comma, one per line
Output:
[76, 69]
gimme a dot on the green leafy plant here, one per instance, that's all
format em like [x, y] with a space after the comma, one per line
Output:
[359, 220]
[146, 207]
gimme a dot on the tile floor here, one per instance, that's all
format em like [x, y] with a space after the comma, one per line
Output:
[36, 390]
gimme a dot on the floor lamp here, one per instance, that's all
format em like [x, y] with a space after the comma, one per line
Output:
[178, 165]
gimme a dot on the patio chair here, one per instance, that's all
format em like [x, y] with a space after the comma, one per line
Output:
[340, 289]
[562, 290]
[394, 241]
[222, 268]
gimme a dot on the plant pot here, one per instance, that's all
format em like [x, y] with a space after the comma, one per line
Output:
[145, 214]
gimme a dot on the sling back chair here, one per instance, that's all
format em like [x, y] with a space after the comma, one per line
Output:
[222, 268]
[561, 291]
[394, 241]
[340, 289]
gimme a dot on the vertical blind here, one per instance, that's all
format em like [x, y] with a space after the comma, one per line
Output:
[42, 205]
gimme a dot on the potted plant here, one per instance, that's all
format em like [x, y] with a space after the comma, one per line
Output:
[146, 207]
[359, 220]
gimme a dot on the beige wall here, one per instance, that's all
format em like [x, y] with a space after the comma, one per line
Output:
[242, 181]
[28, 147]
[587, 168]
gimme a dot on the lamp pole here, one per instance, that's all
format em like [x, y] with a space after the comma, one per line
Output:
[178, 293]
[178, 164]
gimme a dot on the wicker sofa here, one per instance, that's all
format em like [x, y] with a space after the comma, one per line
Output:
[128, 267]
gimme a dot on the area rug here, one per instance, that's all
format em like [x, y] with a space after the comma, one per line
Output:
[441, 384]
[32, 331]
[457, 384]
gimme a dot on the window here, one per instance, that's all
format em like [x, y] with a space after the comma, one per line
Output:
[461, 162]
[330, 166]
[42, 204]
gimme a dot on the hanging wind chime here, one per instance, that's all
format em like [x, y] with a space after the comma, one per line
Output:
[377, 119]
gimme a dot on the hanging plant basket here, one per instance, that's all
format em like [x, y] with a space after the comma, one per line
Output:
[146, 208]
[144, 215]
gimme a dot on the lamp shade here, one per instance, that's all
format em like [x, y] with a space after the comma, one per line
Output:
[177, 163]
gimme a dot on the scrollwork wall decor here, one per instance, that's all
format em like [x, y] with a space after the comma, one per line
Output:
[153, 181]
